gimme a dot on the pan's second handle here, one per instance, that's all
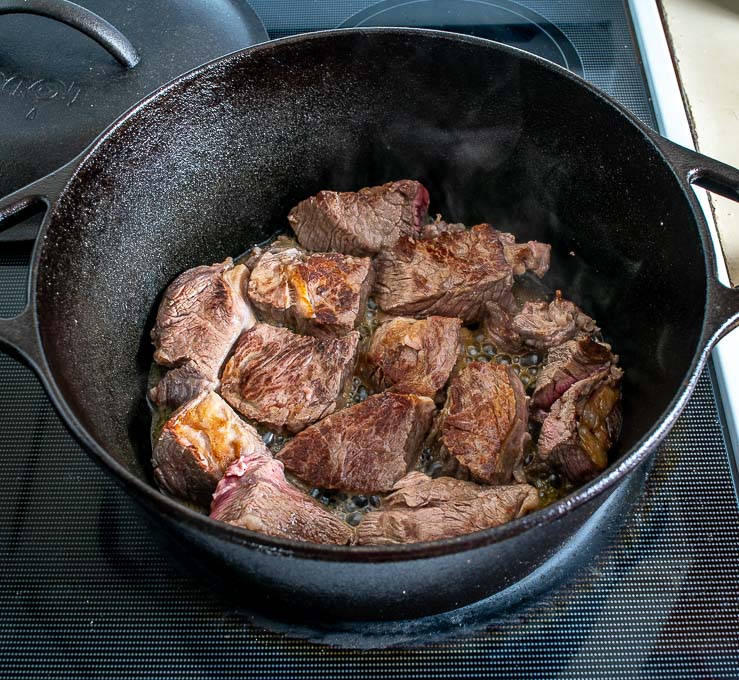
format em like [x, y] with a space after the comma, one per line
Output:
[722, 179]
[20, 333]
[89, 23]
[703, 171]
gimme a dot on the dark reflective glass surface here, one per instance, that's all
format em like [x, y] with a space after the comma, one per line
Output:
[506, 22]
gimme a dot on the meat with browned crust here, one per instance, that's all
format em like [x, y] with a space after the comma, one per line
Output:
[255, 495]
[360, 222]
[413, 356]
[531, 256]
[285, 380]
[425, 509]
[320, 294]
[453, 274]
[565, 365]
[364, 448]
[583, 425]
[180, 385]
[201, 315]
[483, 424]
[538, 325]
[439, 226]
[198, 443]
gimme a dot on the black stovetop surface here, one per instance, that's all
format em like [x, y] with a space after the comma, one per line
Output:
[85, 592]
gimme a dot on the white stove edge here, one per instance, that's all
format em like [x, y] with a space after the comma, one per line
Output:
[672, 121]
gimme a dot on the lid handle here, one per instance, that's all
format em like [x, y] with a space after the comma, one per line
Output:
[89, 23]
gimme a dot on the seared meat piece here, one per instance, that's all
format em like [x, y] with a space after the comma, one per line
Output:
[363, 448]
[201, 315]
[439, 226]
[498, 327]
[255, 495]
[415, 357]
[523, 257]
[453, 274]
[269, 278]
[484, 421]
[321, 294]
[180, 385]
[198, 443]
[286, 380]
[539, 325]
[362, 222]
[425, 509]
[566, 364]
[583, 425]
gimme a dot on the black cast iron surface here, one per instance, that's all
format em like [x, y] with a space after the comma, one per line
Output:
[84, 591]
[59, 89]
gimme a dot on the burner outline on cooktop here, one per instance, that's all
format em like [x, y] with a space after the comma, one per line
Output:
[570, 58]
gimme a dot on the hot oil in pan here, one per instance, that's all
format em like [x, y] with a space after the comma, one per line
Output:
[432, 461]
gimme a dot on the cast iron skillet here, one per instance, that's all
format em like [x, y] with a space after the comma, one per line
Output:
[212, 162]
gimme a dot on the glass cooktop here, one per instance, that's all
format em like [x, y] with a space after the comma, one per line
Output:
[85, 591]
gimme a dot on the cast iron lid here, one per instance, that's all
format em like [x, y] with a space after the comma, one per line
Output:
[59, 88]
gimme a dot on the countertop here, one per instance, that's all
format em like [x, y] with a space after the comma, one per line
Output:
[704, 41]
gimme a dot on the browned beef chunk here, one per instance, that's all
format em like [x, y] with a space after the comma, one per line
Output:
[498, 327]
[198, 443]
[364, 448]
[439, 226]
[286, 380]
[255, 495]
[453, 274]
[362, 222]
[414, 356]
[566, 364]
[484, 422]
[538, 325]
[425, 509]
[179, 385]
[583, 425]
[320, 294]
[202, 313]
[531, 257]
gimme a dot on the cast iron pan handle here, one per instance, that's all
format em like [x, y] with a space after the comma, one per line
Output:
[703, 171]
[722, 179]
[89, 23]
[20, 333]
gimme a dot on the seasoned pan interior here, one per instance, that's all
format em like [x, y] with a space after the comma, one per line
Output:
[213, 164]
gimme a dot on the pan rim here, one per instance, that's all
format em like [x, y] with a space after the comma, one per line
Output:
[155, 501]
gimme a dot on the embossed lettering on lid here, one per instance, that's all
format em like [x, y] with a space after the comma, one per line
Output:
[59, 89]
